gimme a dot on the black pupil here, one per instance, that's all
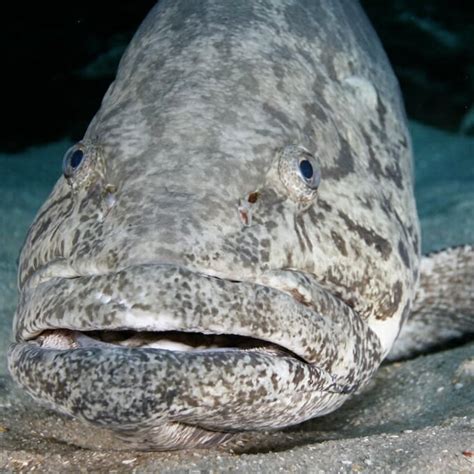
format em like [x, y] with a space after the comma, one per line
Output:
[306, 169]
[76, 158]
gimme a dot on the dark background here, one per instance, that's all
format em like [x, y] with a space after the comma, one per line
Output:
[59, 59]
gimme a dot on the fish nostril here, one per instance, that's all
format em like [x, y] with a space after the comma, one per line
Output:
[252, 197]
[245, 208]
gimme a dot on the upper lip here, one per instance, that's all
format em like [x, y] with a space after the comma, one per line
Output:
[220, 306]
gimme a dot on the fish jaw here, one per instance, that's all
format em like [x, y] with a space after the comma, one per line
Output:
[288, 358]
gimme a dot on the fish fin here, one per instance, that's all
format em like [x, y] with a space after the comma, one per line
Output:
[443, 310]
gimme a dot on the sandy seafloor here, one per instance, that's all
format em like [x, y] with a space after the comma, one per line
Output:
[417, 416]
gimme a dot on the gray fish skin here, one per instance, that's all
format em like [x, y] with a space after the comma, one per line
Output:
[188, 213]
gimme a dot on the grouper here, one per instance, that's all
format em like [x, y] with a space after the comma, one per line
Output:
[234, 244]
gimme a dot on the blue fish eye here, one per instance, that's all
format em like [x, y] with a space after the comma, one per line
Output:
[72, 161]
[306, 169]
[75, 158]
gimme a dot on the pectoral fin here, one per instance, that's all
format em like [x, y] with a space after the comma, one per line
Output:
[443, 310]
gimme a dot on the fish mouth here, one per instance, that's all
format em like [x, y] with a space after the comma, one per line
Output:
[169, 307]
[120, 334]
[177, 341]
[154, 345]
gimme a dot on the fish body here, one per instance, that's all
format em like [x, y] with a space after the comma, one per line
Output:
[234, 244]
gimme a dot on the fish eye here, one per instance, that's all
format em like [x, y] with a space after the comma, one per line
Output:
[83, 164]
[76, 158]
[300, 172]
[310, 173]
[306, 169]
[73, 159]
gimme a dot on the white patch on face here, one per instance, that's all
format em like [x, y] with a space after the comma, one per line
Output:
[169, 346]
[151, 321]
[363, 90]
[287, 282]
[103, 298]
[387, 332]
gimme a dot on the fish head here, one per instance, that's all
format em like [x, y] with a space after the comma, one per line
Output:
[214, 259]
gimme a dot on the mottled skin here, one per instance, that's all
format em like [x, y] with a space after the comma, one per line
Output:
[185, 216]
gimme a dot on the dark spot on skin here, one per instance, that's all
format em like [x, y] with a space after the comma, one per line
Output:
[278, 116]
[307, 57]
[327, 57]
[279, 72]
[313, 216]
[391, 302]
[374, 163]
[75, 239]
[298, 234]
[53, 204]
[300, 223]
[378, 131]
[274, 380]
[143, 307]
[270, 225]
[112, 259]
[298, 296]
[381, 110]
[265, 257]
[90, 312]
[264, 133]
[389, 211]
[299, 375]
[93, 199]
[387, 207]
[324, 205]
[368, 141]
[339, 241]
[369, 236]
[416, 243]
[365, 202]
[314, 110]
[351, 302]
[290, 258]
[170, 396]
[41, 230]
[402, 250]
[391, 172]
[394, 173]
[344, 164]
